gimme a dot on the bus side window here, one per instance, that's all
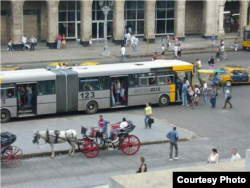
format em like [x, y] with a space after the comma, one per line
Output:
[133, 80]
[46, 87]
[7, 92]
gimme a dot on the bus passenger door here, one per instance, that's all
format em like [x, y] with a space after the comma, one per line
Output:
[119, 97]
[26, 99]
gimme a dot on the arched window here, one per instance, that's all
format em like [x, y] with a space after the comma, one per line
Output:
[164, 17]
[134, 16]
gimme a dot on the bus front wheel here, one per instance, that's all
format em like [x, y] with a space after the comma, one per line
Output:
[5, 116]
[92, 107]
[164, 101]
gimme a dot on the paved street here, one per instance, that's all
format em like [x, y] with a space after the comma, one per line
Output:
[214, 128]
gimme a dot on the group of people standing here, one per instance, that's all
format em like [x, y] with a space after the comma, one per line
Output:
[61, 42]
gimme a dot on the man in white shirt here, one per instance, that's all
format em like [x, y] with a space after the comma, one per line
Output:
[24, 41]
[175, 51]
[235, 156]
[205, 91]
[136, 43]
[123, 51]
[132, 45]
[33, 41]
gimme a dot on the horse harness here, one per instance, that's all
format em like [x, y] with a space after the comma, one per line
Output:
[54, 138]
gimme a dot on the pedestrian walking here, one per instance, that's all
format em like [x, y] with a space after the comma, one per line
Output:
[213, 96]
[175, 50]
[179, 51]
[132, 45]
[143, 166]
[33, 41]
[136, 41]
[222, 42]
[173, 136]
[213, 157]
[184, 93]
[176, 40]
[128, 38]
[216, 81]
[205, 92]
[162, 41]
[223, 54]
[236, 45]
[24, 42]
[123, 52]
[163, 50]
[168, 42]
[64, 44]
[10, 47]
[217, 55]
[190, 96]
[236, 156]
[228, 97]
[211, 63]
[59, 41]
[212, 40]
[125, 37]
[90, 43]
[148, 112]
[196, 96]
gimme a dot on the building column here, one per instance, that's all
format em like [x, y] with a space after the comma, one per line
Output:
[210, 16]
[179, 19]
[221, 31]
[86, 21]
[149, 21]
[16, 23]
[118, 23]
[52, 7]
[243, 16]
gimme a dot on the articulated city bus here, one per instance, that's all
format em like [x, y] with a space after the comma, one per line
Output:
[89, 88]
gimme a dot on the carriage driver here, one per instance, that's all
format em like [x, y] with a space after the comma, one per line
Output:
[103, 125]
[123, 124]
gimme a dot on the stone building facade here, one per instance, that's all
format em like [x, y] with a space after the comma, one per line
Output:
[148, 19]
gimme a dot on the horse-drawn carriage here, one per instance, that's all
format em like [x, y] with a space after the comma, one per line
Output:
[89, 144]
[11, 156]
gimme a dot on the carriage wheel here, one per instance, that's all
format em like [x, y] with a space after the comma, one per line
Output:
[82, 145]
[91, 149]
[130, 145]
[12, 156]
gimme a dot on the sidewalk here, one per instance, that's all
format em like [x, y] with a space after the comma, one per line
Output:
[25, 130]
[76, 52]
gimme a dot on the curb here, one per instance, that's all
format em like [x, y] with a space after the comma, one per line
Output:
[192, 51]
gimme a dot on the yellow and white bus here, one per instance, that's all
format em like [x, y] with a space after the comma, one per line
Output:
[89, 88]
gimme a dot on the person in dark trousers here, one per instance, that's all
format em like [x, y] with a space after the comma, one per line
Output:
[143, 166]
[227, 99]
[173, 136]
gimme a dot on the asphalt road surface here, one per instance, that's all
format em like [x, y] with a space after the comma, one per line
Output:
[214, 128]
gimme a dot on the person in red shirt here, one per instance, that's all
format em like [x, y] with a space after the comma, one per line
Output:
[59, 41]
[103, 125]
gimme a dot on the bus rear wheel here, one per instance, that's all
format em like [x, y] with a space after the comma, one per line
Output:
[5, 116]
[164, 101]
[92, 107]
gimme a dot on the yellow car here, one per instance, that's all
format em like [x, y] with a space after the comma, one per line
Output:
[9, 68]
[54, 64]
[234, 75]
[89, 63]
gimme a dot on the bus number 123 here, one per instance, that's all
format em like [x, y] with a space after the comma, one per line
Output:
[88, 95]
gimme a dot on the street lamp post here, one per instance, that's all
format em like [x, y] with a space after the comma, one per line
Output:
[106, 7]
